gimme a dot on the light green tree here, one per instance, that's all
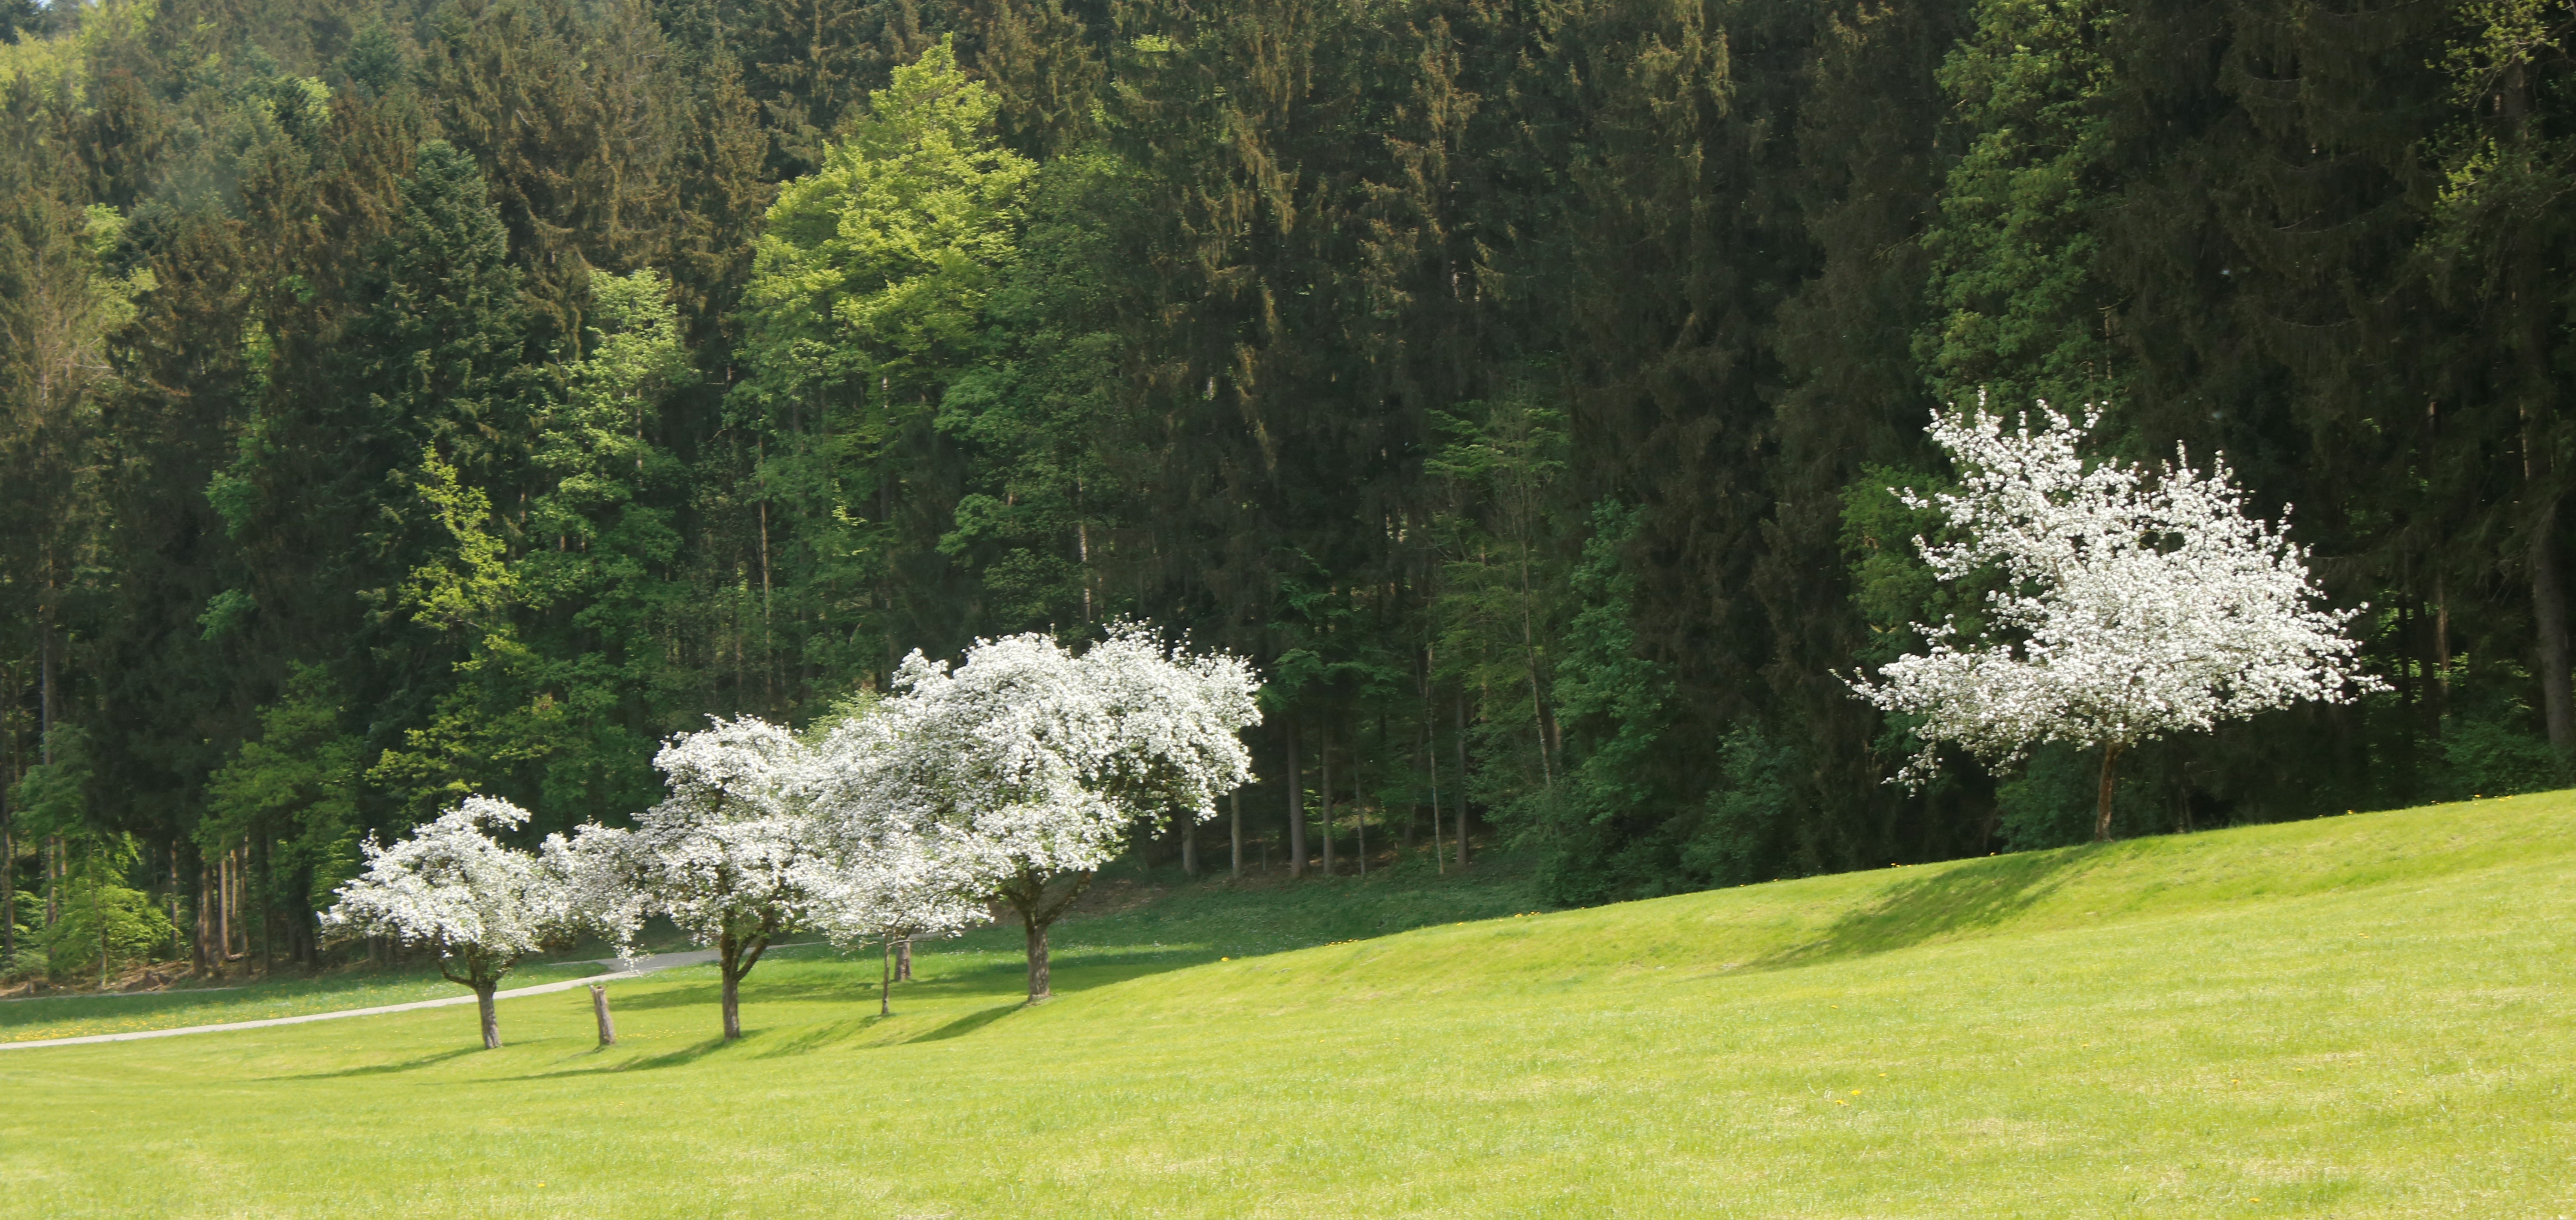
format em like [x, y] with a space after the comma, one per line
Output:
[867, 300]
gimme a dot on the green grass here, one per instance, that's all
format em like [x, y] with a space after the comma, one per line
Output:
[2364, 1016]
[71, 1016]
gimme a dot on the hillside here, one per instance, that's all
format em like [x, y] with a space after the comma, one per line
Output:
[2359, 1016]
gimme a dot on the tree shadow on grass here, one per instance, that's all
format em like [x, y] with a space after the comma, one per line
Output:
[819, 1037]
[387, 1069]
[1964, 898]
[758, 991]
[968, 1024]
[672, 1058]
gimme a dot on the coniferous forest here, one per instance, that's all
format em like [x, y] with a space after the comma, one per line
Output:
[413, 398]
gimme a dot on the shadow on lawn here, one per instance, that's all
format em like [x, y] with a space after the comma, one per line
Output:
[387, 1069]
[969, 1023]
[672, 1058]
[1967, 897]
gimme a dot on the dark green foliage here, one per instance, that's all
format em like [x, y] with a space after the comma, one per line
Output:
[403, 401]
[21, 19]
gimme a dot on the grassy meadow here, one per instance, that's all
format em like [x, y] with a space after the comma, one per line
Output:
[2362, 1016]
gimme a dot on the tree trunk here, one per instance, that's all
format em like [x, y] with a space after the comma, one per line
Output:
[1296, 807]
[599, 1009]
[728, 955]
[491, 1018]
[2549, 620]
[903, 960]
[1324, 803]
[1039, 983]
[1233, 825]
[1359, 815]
[2102, 811]
[2441, 654]
[205, 912]
[174, 889]
[8, 845]
[2539, 452]
[1431, 755]
[1027, 894]
[1359, 793]
[45, 671]
[1189, 846]
[1462, 779]
[885, 980]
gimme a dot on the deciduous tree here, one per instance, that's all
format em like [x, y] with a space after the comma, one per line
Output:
[1028, 765]
[450, 885]
[730, 857]
[2129, 604]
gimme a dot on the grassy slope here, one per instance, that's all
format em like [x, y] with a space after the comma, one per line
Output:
[2357, 1017]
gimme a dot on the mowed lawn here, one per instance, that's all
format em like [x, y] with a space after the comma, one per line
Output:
[2364, 1016]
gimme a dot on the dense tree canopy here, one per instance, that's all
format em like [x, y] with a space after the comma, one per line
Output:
[407, 399]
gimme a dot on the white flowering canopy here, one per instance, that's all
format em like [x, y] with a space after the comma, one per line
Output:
[1030, 761]
[2130, 604]
[729, 852]
[890, 886]
[452, 886]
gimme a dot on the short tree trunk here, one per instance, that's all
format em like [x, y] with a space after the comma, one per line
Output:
[491, 1018]
[729, 969]
[599, 1009]
[1027, 894]
[2102, 811]
[885, 980]
[903, 960]
[1038, 983]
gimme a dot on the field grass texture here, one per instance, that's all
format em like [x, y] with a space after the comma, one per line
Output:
[2361, 1016]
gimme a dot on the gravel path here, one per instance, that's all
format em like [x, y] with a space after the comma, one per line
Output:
[645, 965]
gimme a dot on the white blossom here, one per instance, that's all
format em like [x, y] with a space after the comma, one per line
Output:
[1028, 763]
[892, 886]
[2129, 604]
[888, 887]
[452, 886]
[1028, 758]
[728, 857]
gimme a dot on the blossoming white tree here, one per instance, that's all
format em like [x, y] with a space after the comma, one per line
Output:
[729, 857]
[1024, 768]
[452, 886]
[890, 886]
[2129, 604]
